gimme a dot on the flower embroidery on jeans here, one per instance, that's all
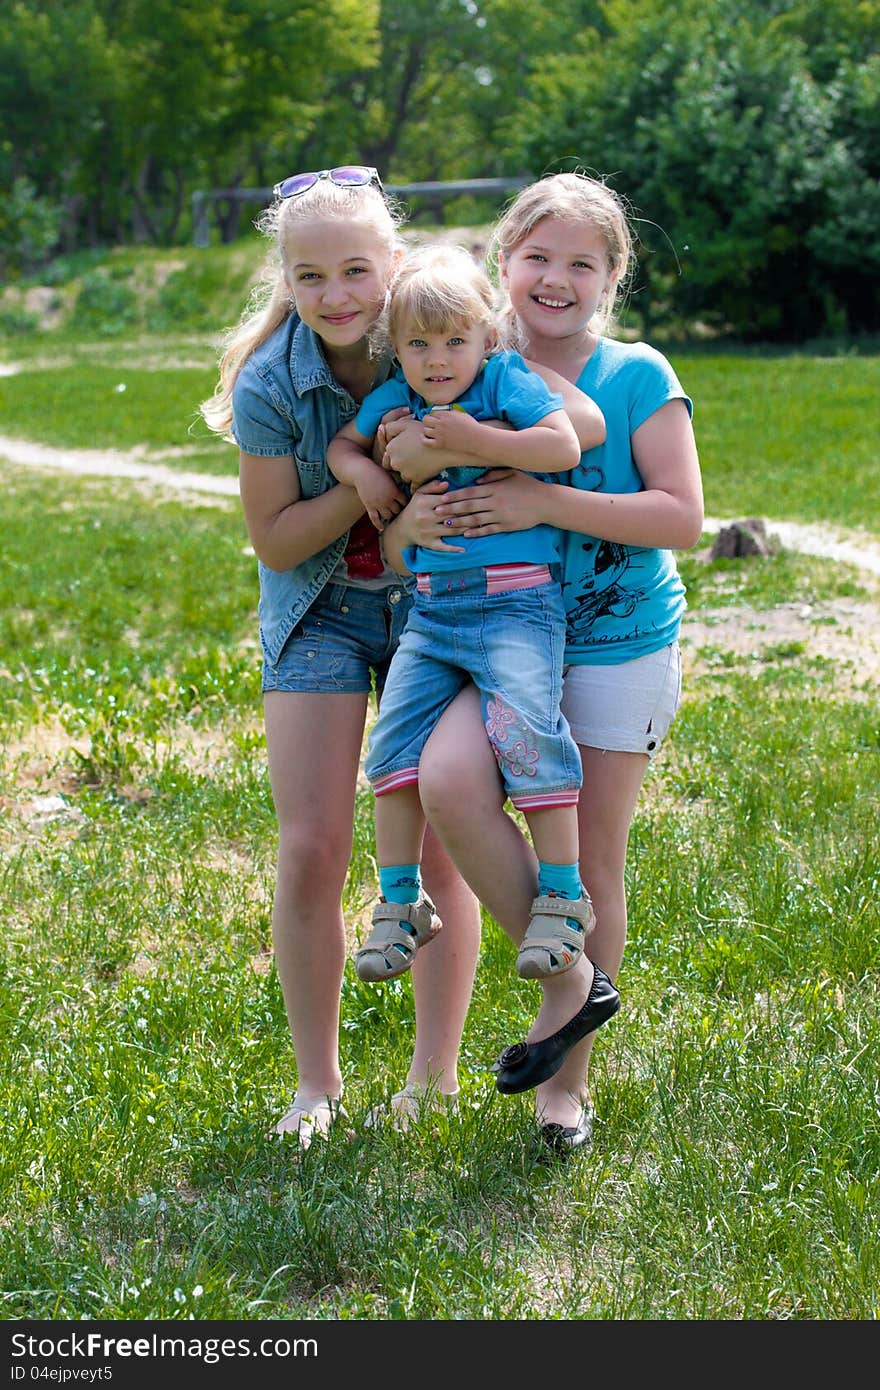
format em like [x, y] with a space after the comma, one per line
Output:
[520, 760]
[499, 716]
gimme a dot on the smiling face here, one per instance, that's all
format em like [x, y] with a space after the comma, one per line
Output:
[556, 278]
[337, 271]
[441, 366]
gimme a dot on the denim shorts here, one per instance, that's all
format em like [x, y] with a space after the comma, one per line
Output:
[510, 643]
[343, 643]
[626, 708]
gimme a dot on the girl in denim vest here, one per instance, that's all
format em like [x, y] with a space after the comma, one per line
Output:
[331, 613]
[564, 249]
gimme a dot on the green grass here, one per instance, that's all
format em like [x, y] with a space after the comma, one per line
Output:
[112, 407]
[788, 437]
[144, 1049]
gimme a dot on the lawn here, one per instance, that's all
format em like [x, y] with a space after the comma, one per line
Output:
[144, 1049]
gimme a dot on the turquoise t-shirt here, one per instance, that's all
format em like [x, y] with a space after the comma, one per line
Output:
[504, 389]
[622, 601]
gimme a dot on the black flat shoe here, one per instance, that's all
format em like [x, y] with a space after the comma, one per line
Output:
[525, 1065]
[564, 1139]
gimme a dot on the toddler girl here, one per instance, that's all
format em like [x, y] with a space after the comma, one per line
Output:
[489, 610]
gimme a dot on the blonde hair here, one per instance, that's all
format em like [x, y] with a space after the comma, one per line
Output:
[569, 197]
[435, 289]
[270, 301]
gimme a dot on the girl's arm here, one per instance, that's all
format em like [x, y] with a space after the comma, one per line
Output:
[582, 411]
[550, 446]
[350, 460]
[667, 514]
[284, 528]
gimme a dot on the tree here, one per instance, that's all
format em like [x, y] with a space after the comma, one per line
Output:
[711, 122]
[117, 108]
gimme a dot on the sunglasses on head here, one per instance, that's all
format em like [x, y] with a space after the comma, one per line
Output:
[346, 175]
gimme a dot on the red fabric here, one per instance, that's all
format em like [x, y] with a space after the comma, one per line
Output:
[362, 555]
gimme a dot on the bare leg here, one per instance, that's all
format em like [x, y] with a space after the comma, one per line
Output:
[443, 975]
[313, 785]
[463, 798]
[612, 782]
[554, 834]
[400, 827]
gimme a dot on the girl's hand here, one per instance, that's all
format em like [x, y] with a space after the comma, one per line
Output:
[407, 454]
[505, 500]
[420, 524]
[381, 497]
[392, 422]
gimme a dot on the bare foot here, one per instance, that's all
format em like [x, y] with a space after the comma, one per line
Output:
[563, 996]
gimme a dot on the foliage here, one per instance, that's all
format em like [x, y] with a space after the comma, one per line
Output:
[29, 227]
[754, 182]
[17, 321]
[123, 109]
[105, 305]
[745, 133]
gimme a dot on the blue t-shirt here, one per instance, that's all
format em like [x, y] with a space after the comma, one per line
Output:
[622, 601]
[504, 389]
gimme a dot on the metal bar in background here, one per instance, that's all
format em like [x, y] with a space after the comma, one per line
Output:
[203, 198]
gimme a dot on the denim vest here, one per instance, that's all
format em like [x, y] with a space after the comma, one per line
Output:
[286, 401]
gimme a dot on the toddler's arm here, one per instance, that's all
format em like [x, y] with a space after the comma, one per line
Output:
[349, 460]
[582, 411]
[550, 446]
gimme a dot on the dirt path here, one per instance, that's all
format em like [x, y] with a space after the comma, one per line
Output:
[829, 542]
[110, 463]
[846, 631]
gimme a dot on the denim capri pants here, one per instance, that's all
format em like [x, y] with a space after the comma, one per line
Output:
[510, 643]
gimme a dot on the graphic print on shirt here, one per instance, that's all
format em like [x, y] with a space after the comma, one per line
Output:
[607, 587]
[600, 592]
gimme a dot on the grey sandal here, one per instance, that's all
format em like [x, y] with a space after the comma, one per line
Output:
[551, 946]
[390, 949]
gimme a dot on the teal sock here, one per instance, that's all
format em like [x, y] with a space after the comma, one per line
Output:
[562, 879]
[400, 883]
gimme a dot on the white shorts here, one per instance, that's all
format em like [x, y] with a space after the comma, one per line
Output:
[626, 708]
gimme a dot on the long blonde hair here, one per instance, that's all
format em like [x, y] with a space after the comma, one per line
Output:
[270, 303]
[569, 197]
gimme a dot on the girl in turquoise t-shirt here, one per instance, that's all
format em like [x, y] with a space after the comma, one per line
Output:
[564, 249]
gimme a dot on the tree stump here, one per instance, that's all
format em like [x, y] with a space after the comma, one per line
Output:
[741, 539]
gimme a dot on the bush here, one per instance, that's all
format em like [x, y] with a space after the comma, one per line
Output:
[16, 321]
[178, 305]
[106, 305]
[28, 228]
